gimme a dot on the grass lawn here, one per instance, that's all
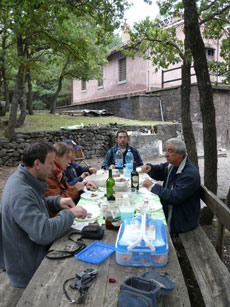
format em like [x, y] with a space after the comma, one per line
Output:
[47, 122]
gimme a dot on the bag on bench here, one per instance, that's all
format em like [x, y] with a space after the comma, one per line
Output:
[138, 292]
[144, 290]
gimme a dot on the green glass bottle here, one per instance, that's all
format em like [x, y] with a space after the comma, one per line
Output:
[110, 184]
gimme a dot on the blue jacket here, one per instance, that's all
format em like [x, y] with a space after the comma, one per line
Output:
[74, 171]
[110, 156]
[182, 193]
[27, 230]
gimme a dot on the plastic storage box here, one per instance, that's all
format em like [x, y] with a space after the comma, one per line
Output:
[142, 241]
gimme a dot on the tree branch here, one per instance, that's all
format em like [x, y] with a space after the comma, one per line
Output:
[214, 14]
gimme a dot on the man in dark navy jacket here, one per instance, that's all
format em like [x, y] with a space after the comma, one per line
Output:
[180, 193]
[122, 140]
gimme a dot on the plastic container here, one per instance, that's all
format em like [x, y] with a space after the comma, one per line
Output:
[119, 159]
[129, 163]
[152, 247]
[96, 252]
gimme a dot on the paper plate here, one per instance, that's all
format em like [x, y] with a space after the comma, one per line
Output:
[93, 209]
[92, 195]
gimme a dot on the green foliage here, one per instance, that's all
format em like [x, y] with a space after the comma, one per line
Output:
[150, 40]
[53, 31]
[157, 44]
[39, 105]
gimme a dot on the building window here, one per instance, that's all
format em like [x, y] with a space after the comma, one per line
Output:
[100, 82]
[122, 70]
[83, 86]
[210, 53]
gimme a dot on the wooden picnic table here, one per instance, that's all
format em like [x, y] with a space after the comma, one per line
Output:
[45, 288]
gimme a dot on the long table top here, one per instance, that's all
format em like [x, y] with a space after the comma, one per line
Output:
[45, 288]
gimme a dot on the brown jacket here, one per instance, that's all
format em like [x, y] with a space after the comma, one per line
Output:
[57, 185]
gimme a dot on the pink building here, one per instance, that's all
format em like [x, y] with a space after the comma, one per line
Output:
[124, 75]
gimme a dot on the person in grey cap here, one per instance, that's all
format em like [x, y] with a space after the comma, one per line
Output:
[74, 172]
[180, 193]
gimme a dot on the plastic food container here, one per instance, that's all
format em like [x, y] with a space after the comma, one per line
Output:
[96, 252]
[121, 184]
[142, 244]
[98, 179]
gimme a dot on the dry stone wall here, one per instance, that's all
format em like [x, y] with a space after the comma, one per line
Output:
[94, 140]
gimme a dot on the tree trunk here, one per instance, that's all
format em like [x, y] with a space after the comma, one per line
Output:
[22, 117]
[4, 77]
[206, 101]
[6, 93]
[30, 93]
[19, 85]
[185, 106]
[14, 104]
[54, 103]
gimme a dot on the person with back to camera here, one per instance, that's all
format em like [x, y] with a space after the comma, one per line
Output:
[27, 230]
[180, 193]
[122, 140]
[74, 172]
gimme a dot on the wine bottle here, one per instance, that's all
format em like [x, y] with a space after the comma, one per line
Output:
[110, 184]
[134, 177]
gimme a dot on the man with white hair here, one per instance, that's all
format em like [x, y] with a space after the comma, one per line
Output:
[180, 193]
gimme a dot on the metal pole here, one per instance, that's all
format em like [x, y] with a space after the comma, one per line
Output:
[162, 115]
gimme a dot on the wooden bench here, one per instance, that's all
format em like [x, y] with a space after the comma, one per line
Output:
[9, 295]
[210, 272]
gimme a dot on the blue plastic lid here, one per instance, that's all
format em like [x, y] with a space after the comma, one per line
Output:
[96, 252]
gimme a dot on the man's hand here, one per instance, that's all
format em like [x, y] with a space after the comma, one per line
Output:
[80, 186]
[93, 170]
[112, 166]
[147, 183]
[145, 168]
[84, 174]
[79, 212]
[66, 203]
[90, 185]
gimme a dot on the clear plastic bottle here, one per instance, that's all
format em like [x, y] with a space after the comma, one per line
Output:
[129, 163]
[119, 159]
[146, 207]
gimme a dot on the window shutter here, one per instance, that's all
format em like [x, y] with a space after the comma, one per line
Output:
[122, 70]
[83, 85]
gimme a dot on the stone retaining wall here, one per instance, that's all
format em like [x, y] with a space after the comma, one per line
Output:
[95, 140]
[147, 107]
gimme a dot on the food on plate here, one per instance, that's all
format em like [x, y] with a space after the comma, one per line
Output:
[125, 257]
[94, 195]
[120, 180]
